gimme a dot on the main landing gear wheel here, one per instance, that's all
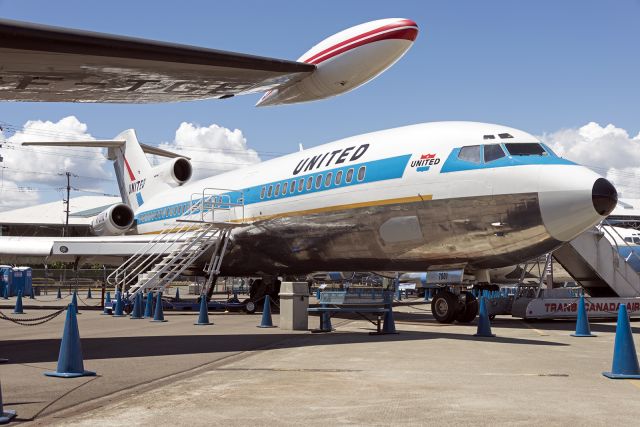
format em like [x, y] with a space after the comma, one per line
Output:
[445, 307]
[250, 306]
[470, 311]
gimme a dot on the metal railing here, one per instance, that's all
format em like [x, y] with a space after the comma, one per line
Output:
[151, 253]
[609, 229]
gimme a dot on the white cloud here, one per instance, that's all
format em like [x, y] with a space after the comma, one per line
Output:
[12, 197]
[608, 150]
[213, 149]
[41, 165]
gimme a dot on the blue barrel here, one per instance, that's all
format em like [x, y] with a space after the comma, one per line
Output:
[6, 278]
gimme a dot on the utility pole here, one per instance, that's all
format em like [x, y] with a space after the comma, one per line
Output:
[66, 202]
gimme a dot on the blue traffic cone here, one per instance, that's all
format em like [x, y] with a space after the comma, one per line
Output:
[177, 298]
[484, 325]
[74, 300]
[625, 360]
[70, 364]
[389, 325]
[136, 313]
[582, 321]
[89, 293]
[203, 317]
[158, 315]
[148, 307]
[119, 311]
[5, 414]
[59, 296]
[318, 294]
[108, 308]
[266, 314]
[18, 308]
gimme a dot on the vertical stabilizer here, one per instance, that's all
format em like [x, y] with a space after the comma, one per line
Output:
[132, 169]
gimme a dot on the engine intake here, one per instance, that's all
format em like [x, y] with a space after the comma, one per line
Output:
[174, 172]
[113, 221]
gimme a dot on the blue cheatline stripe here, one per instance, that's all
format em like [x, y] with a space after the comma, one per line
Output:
[376, 170]
[453, 164]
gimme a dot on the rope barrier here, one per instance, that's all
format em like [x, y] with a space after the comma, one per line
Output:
[35, 321]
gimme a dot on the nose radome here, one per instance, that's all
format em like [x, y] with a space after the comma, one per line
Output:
[572, 199]
[604, 196]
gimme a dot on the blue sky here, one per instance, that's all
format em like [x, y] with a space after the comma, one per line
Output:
[539, 66]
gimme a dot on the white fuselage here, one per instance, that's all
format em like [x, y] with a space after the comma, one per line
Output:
[411, 201]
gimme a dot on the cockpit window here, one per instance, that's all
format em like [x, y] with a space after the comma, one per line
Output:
[470, 153]
[527, 149]
[493, 152]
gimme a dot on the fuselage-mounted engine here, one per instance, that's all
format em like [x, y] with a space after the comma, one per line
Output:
[174, 172]
[113, 221]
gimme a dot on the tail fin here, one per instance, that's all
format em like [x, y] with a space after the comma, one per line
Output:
[136, 178]
[132, 169]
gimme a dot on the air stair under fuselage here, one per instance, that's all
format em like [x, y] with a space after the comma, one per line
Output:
[196, 234]
[596, 264]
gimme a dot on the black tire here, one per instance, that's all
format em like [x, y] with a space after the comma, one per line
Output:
[445, 307]
[470, 311]
[250, 306]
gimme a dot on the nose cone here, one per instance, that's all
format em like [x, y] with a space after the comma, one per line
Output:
[604, 196]
[573, 199]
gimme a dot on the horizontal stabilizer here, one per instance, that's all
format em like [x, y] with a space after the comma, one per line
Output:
[149, 149]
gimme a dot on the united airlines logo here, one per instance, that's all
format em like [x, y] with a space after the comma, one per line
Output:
[425, 162]
[136, 186]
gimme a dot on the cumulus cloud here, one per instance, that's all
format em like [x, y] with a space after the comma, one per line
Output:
[608, 150]
[32, 175]
[213, 149]
[13, 196]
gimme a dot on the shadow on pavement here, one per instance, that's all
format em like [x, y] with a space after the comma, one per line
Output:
[46, 350]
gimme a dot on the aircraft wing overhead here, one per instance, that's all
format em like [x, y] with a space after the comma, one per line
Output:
[43, 63]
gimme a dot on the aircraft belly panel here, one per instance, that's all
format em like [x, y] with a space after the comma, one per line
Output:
[484, 232]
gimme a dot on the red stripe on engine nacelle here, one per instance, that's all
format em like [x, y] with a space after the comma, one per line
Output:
[402, 32]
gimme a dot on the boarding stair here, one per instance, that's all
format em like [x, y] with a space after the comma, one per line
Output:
[203, 229]
[596, 264]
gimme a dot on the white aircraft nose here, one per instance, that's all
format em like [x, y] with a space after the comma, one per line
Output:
[573, 199]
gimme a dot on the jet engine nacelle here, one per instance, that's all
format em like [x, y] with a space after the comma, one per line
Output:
[347, 60]
[113, 221]
[174, 172]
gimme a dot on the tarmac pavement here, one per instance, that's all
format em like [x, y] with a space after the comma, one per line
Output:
[234, 373]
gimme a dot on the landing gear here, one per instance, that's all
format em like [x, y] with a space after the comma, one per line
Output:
[445, 307]
[470, 311]
[448, 307]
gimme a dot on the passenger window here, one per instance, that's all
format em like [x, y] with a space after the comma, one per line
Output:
[327, 180]
[493, 152]
[526, 149]
[309, 183]
[361, 172]
[338, 177]
[300, 185]
[285, 186]
[293, 187]
[349, 176]
[318, 181]
[270, 191]
[470, 153]
[277, 192]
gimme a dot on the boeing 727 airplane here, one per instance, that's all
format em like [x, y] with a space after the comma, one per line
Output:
[445, 195]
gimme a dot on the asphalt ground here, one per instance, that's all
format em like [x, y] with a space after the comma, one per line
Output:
[175, 373]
